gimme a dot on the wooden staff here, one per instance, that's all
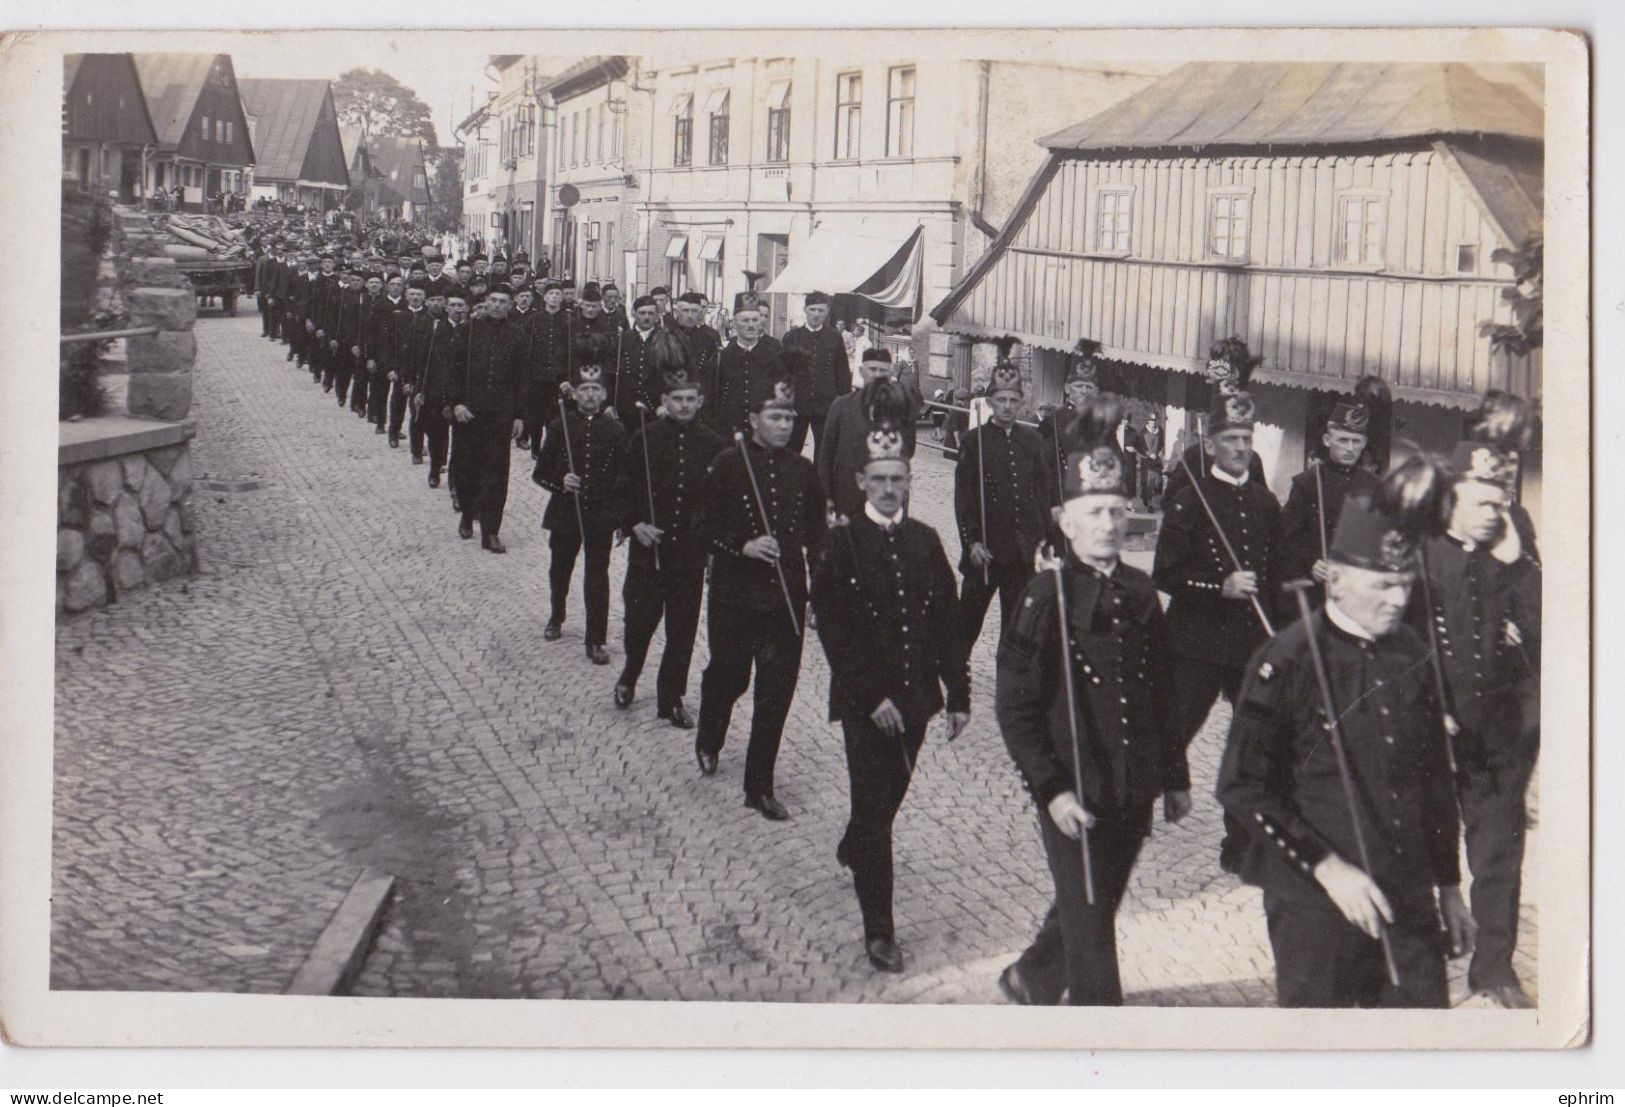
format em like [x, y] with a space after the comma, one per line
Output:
[1320, 495]
[569, 459]
[1300, 589]
[1228, 548]
[767, 528]
[1072, 721]
[981, 493]
[648, 476]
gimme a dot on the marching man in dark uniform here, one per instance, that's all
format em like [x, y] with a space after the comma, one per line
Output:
[1115, 711]
[375, 329]
[392, 408]
[1059, 428]
[487, 401]
[751, 358]
[1002, 483]
[551, 327]
[1485, 590]
[1338, 883]
[819, 366]
[577, 465]
[1315, 501]
[408, 332]
[1218, 609]
[704, 344]
[843, 451]
[636, 378]
[658, 493]
[1230, 367]
[888, 619]
[758, 585]
[442, 351]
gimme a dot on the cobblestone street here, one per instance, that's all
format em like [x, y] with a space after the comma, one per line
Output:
[347, 684]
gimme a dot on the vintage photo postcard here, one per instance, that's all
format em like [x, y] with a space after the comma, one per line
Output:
[817, 538]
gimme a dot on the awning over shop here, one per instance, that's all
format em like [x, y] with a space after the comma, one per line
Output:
[677, 247]
[885, 270]
[711, 248]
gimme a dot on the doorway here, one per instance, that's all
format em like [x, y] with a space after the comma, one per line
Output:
[772, 255]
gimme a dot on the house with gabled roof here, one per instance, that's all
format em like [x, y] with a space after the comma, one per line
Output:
[295, 131]
[203, 143]
[1343, 219]
[105, 124]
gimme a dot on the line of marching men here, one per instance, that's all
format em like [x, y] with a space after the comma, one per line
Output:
[1365, 736]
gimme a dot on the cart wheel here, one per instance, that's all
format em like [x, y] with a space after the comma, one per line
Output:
[231, 303]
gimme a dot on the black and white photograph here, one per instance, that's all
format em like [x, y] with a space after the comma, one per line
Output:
[932, 522]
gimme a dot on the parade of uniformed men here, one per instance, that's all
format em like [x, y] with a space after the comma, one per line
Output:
[652, 432]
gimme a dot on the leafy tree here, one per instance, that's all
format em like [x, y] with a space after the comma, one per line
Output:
[1527, 331]
[380, 105]
[446, 213]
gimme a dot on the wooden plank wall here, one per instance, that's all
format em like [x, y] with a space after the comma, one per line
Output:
[1414, 321]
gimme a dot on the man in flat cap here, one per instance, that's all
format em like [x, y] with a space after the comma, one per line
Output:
[816, 357]
[749, 359]
[488, 403]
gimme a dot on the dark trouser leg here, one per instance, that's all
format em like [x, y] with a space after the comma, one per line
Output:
[735, 633]
[1196, 685]
[437, 432]
[455, 469]
[495, 452]
[644, 604]
[683, 585]
[798, 434]
[1323, 960]
[359, 379]
[1089, 933]
[565, 543]
[778, 665]
[1012, 581]
[414, 426]
[1494, 819]
[330, 368]
[342, 371]
[816, 428]
[1043, 963]
[397, 407]
[974, 596]
[377, 397]
[595, 583]
[878, 769]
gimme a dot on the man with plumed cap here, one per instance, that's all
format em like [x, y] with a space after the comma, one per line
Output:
[580, 469]
[1281, 780]
[888, 620]
[702, 341]
[1315, 500]
[658, 504]
[1230, 367]
[1003, 477]
[488, 402]
[1212, 621]
[817, 360]
[749, 359]
[843, 451]
[441, 352]
[1117, 648]
[752, 622]
[1485, 591]
[409, 336]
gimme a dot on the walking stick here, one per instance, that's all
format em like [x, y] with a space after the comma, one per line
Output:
[1228, 548]
[1072, 721]
[1300, 590]
[615, 402]
[570, 460]
[767, 527]
[981, 491]
[648, 475]
[1320, 511]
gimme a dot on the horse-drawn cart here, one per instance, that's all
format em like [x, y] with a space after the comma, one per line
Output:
[222, 279]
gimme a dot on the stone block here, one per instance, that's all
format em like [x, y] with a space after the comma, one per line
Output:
[72, 499]
[86, 587]
[160, 559]
[188, 515]
[102, 537]
[135, 471]
[171, 351]
[106, 481]
[180, 477]
[173, 529]
[155, 273]
[154, 503]
[70, 548]
[160, 395]
[127, 522]
[169, 309]
[163, 458]
[128, 571]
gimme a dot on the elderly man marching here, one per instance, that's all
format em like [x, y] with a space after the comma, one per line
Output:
[1484, 590]
[884, 595]
[1083, 700]
[1337, 766]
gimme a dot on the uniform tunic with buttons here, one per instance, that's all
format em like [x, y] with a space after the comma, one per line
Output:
[1302, 515]
[595, 450]
[738, 371]
[887, 618]
[635, 378]
[794, 501]
[819, 367]
[678, 456]
[1280, 775]
[703, 345]
[1017, 476]
[1191, 566]
[1120, 665]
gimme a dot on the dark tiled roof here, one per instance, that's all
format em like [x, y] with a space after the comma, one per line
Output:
[172, 84]
[286, 113]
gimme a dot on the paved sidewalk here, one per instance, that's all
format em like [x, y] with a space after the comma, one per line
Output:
[348, 684]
